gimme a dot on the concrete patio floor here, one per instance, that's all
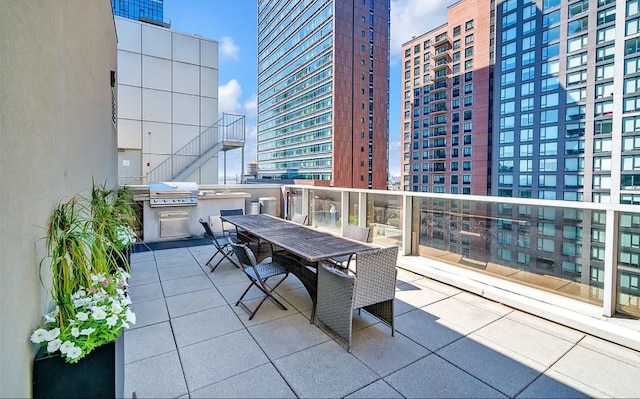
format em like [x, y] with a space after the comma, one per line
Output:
[191, 341]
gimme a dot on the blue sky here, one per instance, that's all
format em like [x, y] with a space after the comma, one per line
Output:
[233, 25]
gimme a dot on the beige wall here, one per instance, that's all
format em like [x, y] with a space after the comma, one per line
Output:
[56, 135]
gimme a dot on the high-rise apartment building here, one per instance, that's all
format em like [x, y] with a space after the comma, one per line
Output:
[150, 11]
[446, 104]
[323, 91]
[562, 97]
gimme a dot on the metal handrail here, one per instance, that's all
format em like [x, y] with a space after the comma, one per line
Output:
[228, 128]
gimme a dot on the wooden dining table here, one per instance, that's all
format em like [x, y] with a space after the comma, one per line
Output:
[300, 248]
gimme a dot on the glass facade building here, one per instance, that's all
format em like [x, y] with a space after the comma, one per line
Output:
[140, 10]
[323, 91]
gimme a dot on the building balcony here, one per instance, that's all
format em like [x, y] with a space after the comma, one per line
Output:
[451, 247]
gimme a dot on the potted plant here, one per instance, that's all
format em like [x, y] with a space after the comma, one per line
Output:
[79, 337]
[113, 219]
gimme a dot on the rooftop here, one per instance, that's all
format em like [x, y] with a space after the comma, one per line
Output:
[190, 340]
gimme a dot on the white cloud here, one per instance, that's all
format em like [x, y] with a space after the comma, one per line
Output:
[411, 18]
[228, 48]
[251, 106]
[229, 97]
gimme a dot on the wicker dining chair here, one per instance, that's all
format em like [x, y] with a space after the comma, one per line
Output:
[259, 273]
[299, 218]
[355, 233]
[373, 289]
[222, 241]
[228, 227]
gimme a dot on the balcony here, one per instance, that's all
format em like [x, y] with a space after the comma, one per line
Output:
[191, 339]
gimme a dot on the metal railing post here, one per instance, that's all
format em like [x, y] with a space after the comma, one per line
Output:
[362, 209]
[610, 264]
[344, 209]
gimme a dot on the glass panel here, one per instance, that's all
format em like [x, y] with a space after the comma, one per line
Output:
[384, 216]
[325, 212]
[629, 264]
[542, 247]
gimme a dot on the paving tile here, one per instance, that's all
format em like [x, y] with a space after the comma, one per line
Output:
[426, 329]
[204, 325]
[232, 292]
[410, 296]
[549, 327]
[405, 276]
[298, 298]
[139, 257]
[438, 286]
[383, 353]
[186, 284]
[261, 382]
[268, 311]
[184, 260]
[287, 335]
[145, 292]
[432, 377]
[136, 266]
[555, 385]
[483, 303]
[172, 253]
[607, 348]
[378, 389]
[173, 273]
[191, 302]
[156, 377]
[503, 370]
[220, 278]
[148, 341]
[603, 372]
[526, 341]
[324, 371]
[210, 361]
[144, 275]
[461, 317]
[149, 312]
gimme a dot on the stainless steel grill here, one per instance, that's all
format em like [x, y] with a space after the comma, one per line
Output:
[173, 194]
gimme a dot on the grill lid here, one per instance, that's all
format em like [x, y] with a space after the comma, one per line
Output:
[173, 193]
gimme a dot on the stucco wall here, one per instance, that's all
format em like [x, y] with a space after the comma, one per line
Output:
[56, 134]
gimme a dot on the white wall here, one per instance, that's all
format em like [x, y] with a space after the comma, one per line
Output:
[56, 134]
[168, 94]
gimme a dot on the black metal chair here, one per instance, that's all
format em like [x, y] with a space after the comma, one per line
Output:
[227, 227]
[259, 273]
[222, 241]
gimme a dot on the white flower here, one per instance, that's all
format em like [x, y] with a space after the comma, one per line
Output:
[98, 313]
[66, 346]
[82, 316]
[112, 320]
[74, 352]
[54, 345]
[116, 308]
[52, 334]
[125, 324]
[126, 301]
[39, 335]
[131, 317]
[87, 331]
[49, 318]
[75, 332]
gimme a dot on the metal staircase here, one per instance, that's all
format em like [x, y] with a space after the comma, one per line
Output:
[228, 133]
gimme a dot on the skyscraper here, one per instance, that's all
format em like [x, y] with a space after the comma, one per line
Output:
[150, 11]
[445, 104]
[323, 91]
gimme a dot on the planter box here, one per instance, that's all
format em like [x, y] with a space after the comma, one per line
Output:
[99, 374]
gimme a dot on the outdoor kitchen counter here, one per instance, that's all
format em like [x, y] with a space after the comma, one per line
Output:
[182, 222]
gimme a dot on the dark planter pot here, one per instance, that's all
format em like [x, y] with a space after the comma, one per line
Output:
[100, 374]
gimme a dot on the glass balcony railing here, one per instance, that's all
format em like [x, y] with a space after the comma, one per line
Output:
[586, 251]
